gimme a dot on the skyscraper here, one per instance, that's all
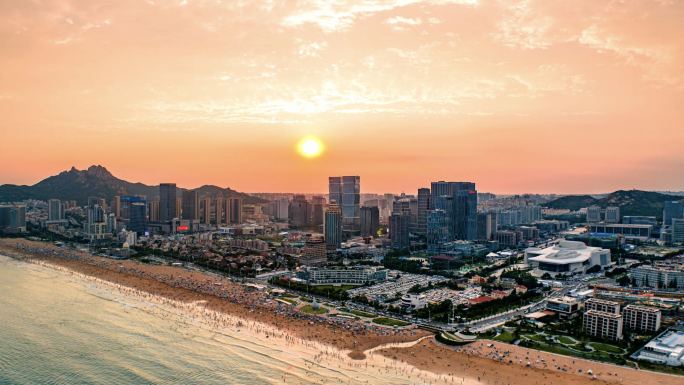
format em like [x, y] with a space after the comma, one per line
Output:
[423, 207]
[235, 208]
[333, 226]
[346, 191]
[206, 211]
[154, 210]
[317, 210]
[220, 210]
[167, 202]
[370, 221]
[399, 230]
[459, 201]
[437, 230]
[191, 206]
[137, 217]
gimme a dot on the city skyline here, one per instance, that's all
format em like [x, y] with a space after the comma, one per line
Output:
[522, 96]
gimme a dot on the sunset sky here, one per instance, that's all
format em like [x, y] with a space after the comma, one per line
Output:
[517, 96]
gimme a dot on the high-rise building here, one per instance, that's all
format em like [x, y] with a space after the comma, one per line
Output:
[423, 208]
[333, 226]
[235, 208]
[672, 210]
[437, 231]
[116, 206]
[205, 216]
[399, 230]
[370, 221]
[12, 218]
[137, 218]
[299, 211]
[593, 214]
[154, 210]
[612, 214]
[219, 210]
[191, 205]
[459, 200]
[55, 210]
[167, 202]
[346, 191]
[317, 210]
[282, 207]
[486, 226]
[677, 228]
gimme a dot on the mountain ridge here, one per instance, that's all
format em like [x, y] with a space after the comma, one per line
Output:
[97, 181]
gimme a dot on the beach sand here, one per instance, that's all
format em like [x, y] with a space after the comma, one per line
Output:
[409, 352]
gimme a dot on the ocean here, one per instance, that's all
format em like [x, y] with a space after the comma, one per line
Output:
[58, 327]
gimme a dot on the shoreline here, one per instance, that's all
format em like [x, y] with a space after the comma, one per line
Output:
[362, 343]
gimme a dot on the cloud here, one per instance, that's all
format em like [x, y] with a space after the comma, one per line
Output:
[336, 16]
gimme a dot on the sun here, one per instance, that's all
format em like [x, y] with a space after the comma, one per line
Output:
[310, 147]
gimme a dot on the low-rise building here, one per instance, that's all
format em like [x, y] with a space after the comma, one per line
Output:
[343, 276]
[641, 318]
[565, 307]
[414, 301]
[667, 348]
[659, 276]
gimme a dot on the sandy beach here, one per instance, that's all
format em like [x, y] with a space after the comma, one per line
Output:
[227, 303]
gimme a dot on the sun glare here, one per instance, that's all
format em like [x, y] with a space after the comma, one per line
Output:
[310, 147]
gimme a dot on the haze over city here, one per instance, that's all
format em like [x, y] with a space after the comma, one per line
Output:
[521, 96]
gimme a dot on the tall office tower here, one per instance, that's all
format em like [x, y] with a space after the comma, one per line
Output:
[191, 205]
[346, 191]
[593, 214]
[386, 207]
[299, 211]
[423, 208]
[464, 216]
[12, 218]
[677, 228]
[333, 226]
[154, 210]
[116, 206]
[612, 214]
[459, 200]
[437, 231]
[672, 210]
[220, 210]
[399, 231]
[137, 220]
[227, 211]
[167, 202]
[370, 221]
[55, 210]
[317, 210]
[205, 217]
[179, 207]
[492, 225]
[235, 210]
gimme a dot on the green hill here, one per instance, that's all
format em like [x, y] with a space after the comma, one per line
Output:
[631, 202]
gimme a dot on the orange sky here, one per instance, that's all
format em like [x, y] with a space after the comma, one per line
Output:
[518, 96]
